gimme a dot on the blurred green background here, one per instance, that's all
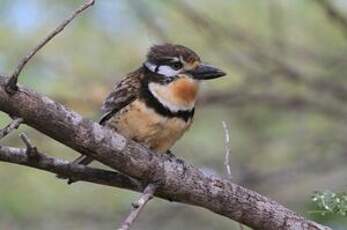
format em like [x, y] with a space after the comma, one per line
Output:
[285, 100]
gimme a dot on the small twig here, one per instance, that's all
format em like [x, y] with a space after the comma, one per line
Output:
[31, 150]
[227, 149]
[146, 196]
[11, 85]
[15, 123]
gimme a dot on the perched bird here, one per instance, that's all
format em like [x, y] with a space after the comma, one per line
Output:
[154, 105]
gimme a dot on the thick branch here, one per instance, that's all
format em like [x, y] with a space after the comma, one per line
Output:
[178, 181]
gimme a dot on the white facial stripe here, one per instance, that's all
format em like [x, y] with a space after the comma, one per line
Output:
[167, 71]
[173, 107]
[150, 66]
[163, 69]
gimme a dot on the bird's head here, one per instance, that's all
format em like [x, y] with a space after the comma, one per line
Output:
[169, 60]
[174, 73]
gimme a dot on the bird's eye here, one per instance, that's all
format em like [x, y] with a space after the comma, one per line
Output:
[176, 65]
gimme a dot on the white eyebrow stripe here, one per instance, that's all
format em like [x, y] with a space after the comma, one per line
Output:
[151, 66]
[167, 71]
[163, 69]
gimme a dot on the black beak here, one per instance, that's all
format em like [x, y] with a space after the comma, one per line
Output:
[206, 72]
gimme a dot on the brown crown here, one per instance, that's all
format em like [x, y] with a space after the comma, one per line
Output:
[158, 52]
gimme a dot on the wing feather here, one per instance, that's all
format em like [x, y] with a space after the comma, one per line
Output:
[123, 93]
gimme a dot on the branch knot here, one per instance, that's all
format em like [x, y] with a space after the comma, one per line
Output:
[31, 150]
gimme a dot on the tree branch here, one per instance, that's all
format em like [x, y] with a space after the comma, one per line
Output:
[227, 150]
[15, 123]
[31, 150]
[138, 206]
[63, 167]
[179, 181]
[12, 81]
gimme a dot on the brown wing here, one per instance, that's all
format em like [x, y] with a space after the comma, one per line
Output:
[123, 93]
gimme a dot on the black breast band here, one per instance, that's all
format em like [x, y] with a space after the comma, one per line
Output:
[154, 103]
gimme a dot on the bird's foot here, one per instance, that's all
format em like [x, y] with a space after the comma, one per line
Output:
[170, 154]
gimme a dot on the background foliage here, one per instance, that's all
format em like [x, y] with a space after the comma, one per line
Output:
[285, 99]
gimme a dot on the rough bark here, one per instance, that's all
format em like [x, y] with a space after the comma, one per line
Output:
[178, 180]
[64, 168]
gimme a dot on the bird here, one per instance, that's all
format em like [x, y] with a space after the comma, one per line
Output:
[154, 105]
